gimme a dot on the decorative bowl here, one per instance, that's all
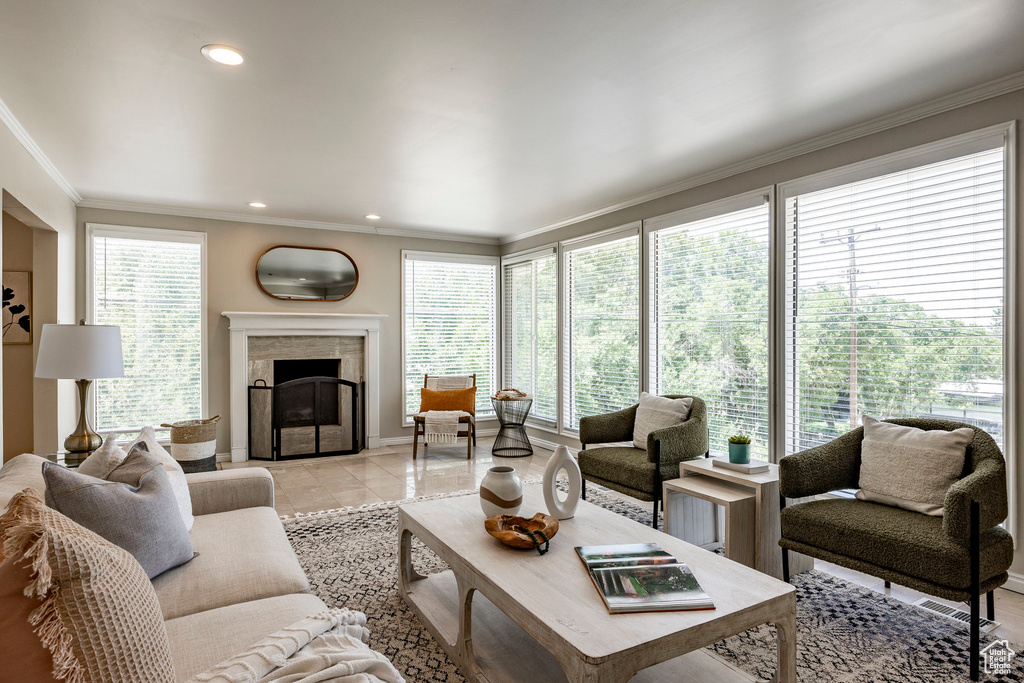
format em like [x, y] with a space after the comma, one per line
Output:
[513, 531]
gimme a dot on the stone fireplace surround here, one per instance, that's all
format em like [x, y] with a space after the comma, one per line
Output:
[243, 325]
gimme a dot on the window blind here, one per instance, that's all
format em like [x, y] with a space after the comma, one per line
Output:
[709, 320]
[602, 329]
[152, 290]
[450, 325]
[531, 343]
[895, 304]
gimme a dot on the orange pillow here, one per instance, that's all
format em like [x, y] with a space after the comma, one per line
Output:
[23, 653]
[456, 399]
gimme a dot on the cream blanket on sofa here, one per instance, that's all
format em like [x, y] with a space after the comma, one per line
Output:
[329, 647]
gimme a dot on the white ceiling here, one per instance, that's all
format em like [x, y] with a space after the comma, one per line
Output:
[480, 117]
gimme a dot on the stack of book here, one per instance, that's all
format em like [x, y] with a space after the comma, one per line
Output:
[641, 577]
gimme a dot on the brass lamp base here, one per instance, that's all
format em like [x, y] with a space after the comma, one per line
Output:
[83, 439]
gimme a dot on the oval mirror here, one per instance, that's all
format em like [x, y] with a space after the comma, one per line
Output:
[306, 273]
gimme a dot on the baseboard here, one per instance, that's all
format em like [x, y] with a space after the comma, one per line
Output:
[223, 457]
[1015, 583]
[403, 440]
[551, 445]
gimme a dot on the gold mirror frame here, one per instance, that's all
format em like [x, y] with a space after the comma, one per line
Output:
[259, 282]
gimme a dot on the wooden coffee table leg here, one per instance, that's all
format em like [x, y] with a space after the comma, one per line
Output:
[406, 572]
[785, 629]
[465, 639]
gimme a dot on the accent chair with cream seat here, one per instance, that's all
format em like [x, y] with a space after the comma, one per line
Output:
[447, 393]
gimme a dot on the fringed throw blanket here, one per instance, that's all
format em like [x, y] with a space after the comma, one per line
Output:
[329, 647]
[441, 426]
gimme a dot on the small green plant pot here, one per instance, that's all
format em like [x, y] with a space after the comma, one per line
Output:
[739, 453]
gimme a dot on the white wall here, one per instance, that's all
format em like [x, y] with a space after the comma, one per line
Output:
[232, 251]
[41, 204]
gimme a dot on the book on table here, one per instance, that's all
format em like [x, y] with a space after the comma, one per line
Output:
[755, 466]
[641, 577]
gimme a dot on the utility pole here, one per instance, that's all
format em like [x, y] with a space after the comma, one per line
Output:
[850, 239]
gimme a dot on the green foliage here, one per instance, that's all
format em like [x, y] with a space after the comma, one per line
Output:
[739, 439]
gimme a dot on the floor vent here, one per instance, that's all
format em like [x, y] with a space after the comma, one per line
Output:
[956, 613]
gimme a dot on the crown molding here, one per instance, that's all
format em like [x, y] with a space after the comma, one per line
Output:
[285, 222]
[19, 132]
[978, 93]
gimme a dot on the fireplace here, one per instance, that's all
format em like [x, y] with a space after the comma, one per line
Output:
[271, 350]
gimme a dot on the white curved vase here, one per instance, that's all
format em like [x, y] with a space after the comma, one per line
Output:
[501, 492]
[557, 507]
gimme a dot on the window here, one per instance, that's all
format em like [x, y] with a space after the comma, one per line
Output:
[709, 314]
[449, 322]
[151, 284]
[895, 304]
[531, 327]
[602, 326]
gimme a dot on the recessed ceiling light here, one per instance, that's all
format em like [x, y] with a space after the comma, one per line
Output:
[302, 279]
[223, 54]
[257, 205]
[372, 217]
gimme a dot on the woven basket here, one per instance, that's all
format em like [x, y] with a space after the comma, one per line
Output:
[194, 444]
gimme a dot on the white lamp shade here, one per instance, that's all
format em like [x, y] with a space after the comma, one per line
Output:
[79, 352]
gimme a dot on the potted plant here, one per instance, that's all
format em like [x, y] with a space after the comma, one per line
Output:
[739, 449]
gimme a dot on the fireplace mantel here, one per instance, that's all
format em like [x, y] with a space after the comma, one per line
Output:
[245, 324]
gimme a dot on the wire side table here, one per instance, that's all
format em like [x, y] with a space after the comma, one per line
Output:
[512, 441]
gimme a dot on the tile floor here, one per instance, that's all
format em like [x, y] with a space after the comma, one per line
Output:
[390, 473]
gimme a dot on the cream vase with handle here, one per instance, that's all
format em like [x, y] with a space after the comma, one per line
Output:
[557, 507]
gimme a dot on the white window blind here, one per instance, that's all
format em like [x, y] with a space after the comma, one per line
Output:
[450, 325]
[709, 320]
[895, 304]
[602, 329]
[152, 290]
[531, 327]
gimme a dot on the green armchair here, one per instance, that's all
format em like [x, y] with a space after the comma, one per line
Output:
[958, 556]
[634, 471]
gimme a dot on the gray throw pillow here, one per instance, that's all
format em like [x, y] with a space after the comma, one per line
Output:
[134, 507]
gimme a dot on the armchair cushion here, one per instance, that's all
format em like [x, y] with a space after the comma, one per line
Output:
[892, 538]
[453, 399]
[624, 465]
[909, 467]
[658, 412]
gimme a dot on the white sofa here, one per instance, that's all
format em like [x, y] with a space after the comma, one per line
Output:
[246, 582]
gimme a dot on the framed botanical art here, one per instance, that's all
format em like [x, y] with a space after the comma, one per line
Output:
[17, 307]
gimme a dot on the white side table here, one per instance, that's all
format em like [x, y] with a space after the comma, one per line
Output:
[765, 532]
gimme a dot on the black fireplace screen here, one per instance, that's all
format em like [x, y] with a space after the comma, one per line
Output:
[305, 417]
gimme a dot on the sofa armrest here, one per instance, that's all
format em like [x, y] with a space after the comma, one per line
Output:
[686, 441]
[987, 485]
[234, 489]
[831, 466]
[608, 428]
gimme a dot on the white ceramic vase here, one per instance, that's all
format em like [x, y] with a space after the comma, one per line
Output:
[501, 492]
[558, 507]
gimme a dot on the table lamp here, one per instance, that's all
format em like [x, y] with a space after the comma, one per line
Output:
[83, 353]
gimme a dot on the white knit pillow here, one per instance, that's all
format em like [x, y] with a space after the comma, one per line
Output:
[104, 459]
[658, 412]
[179, 484]
[909, 467]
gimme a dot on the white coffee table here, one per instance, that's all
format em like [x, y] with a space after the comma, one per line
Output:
[539, 617]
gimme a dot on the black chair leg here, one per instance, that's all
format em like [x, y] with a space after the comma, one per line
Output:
[654, 519]
[975, 548]
[991, 606]
[785, 565]
[888, 585]
[583, 489]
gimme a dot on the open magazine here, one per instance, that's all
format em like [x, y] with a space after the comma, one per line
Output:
[641, 577]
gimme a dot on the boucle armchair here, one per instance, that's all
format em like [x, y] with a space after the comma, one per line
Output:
[958, 556]
[635, 471]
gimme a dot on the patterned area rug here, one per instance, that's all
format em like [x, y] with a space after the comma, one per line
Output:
[846, 633]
